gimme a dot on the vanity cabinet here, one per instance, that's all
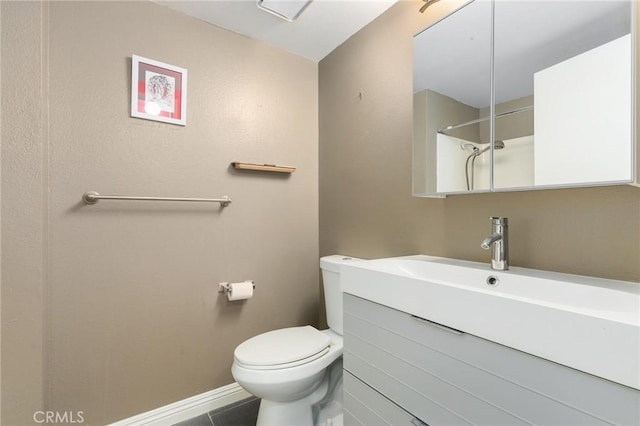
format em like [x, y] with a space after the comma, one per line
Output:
[405, 370]
[365, 406]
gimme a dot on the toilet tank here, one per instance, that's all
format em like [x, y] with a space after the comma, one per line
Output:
[331, 266]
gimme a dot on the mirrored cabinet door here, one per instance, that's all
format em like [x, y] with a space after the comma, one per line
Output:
[452, 93]
[528, 94]
[563, 93]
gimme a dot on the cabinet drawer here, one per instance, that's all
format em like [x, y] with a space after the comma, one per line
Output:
[364, 406]
[447, 377]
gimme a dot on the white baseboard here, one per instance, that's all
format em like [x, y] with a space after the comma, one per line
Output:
[187, 408]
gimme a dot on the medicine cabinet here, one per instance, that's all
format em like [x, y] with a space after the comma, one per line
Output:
[550, 83]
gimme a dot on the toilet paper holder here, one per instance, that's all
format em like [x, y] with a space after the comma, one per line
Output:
[224, 287]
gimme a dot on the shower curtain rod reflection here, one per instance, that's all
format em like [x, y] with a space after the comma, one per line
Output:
[92, 197]
[479, 120]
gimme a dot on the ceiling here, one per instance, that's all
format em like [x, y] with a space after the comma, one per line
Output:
[322, 27]
[529, 36]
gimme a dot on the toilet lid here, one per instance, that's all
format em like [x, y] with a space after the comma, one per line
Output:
[284, 346]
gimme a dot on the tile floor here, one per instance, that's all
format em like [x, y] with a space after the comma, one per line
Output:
[241, 413]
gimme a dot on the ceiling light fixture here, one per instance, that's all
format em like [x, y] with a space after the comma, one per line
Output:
[426, 4]
[289, 10]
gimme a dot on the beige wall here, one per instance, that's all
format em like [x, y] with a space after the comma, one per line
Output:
[510, 126]
[113, 309]
[24, 227]
[366, 208]
[433, 111]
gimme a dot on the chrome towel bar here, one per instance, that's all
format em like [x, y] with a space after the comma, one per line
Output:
[92, 197]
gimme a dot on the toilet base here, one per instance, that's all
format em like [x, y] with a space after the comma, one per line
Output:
[318, 408]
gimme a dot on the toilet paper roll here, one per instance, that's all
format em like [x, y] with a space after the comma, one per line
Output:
[240, 291]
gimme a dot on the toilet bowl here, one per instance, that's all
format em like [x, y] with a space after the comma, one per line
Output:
[297, 371]
[289, 390]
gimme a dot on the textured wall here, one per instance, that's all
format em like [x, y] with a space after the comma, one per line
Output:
[130, 312]
[366, 208]
[24, 227]
[112, 309]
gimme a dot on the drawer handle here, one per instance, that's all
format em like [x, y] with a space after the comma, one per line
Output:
[440, 326]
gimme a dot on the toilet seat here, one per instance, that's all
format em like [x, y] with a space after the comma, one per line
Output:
[284, 348]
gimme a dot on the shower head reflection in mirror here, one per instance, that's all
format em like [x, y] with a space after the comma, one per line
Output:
[514, 164]
[465, 146]
[469, 174]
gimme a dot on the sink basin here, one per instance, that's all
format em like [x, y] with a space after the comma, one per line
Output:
[590, 324]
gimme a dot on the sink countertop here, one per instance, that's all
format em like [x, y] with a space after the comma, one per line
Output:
[590, 324]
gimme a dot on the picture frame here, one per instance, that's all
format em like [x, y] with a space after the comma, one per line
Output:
[158, 91]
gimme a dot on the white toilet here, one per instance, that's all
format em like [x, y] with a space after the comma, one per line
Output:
[297, 371]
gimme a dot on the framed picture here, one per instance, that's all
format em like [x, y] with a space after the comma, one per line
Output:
[158, 91]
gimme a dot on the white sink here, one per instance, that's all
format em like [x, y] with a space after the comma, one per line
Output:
[590, 324]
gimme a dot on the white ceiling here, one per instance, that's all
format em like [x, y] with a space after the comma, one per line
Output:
[322, 27]
[452, 57]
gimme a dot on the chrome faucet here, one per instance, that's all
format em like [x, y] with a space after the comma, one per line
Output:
[498, 242]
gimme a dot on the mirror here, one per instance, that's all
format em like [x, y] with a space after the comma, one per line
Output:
[558, 103]
[455, 49]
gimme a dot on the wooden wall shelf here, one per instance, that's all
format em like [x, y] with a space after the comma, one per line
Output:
[263, 167]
